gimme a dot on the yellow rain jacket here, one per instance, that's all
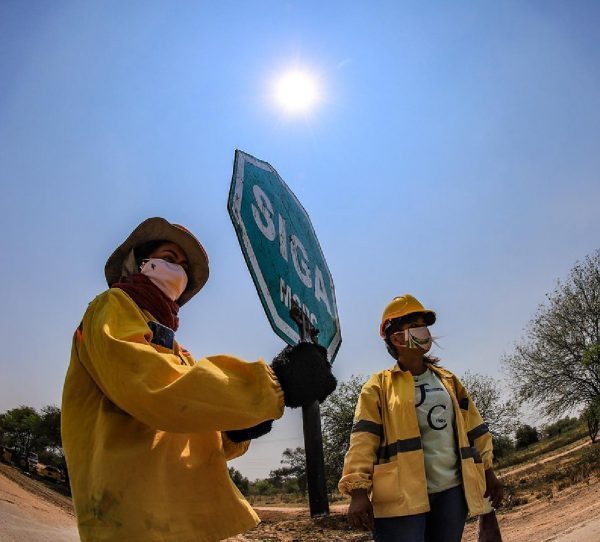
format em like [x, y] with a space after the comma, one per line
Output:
[142, 431]
[386, 457]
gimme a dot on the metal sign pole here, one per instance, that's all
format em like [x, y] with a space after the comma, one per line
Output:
[315, 462]
[313, 436]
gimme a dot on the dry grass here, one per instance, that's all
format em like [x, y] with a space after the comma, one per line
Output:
[542, 481]
[542, 447]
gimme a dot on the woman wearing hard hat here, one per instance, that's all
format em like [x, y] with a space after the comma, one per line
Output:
[147, 429]
[418, 447]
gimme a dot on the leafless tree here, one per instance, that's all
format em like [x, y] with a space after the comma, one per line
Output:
[501, 416]
[556, 366]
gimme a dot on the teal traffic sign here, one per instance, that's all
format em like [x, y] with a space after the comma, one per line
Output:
[282, 252]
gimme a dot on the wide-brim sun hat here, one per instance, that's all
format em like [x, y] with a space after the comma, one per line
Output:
[401, 306]
[121, 261]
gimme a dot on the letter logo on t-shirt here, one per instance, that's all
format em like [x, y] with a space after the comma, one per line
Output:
[423, 390]
[439, 419]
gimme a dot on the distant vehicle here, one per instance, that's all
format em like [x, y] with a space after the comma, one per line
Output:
[26, 462]
[16, 457]
[50, 472]
[32, 461]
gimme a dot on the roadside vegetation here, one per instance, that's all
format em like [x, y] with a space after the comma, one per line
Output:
[574, 431]
[31, 441]
[554, 370]
[541, 480]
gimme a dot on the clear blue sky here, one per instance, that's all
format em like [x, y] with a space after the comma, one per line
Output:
[455, 155]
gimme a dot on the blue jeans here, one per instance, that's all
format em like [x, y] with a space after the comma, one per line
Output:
[443, 523]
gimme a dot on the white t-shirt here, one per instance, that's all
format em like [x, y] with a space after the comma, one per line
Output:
[435, 414]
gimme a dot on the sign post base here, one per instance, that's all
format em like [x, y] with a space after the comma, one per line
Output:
[315, 464]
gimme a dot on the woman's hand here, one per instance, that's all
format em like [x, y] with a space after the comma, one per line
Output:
[494, 488]
[360, 511]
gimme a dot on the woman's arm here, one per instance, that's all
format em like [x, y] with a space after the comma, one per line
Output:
[480, 437]
[477, 431]
[218, 393]
[365, 441]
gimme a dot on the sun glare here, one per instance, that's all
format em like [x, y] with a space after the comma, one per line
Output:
[296, 91]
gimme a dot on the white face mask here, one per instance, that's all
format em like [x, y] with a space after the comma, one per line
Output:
[171, 278]
[418, 337]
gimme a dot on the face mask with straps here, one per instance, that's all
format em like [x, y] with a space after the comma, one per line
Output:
[417, 337]
[171, 278]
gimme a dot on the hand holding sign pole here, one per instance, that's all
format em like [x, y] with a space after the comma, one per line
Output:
[311, 425]
[293, 281]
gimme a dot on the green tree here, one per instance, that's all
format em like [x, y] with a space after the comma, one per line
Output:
[560, 426]
[503, 446]
[526, 435]
[293, 469]
[51, 436]
[337, 414]
[263, 487]
[21, 428]
[50, 426]
[239, 480]
[3, 434]
[556, 365]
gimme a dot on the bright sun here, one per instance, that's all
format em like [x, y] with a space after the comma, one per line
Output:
[296, 91]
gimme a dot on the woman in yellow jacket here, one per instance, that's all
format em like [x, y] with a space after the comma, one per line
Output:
[420, 456]
[147, 429]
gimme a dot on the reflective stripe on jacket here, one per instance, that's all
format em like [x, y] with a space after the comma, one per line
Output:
[386, 457]
[141, 427]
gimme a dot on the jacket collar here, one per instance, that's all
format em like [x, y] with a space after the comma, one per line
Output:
[440, 371]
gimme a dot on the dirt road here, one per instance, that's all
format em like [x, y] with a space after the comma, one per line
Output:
[547, 458]
[30, 512]
[26, 516]
[571, 516]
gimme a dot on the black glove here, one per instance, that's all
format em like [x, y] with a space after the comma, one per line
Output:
[304, 374]
[241, 435]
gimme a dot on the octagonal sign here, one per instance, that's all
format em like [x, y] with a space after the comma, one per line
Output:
[282, 252]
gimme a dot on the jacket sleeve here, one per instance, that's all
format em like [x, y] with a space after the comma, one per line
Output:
[231, 449]
[365, 440]
[152, 385]
[477, 431]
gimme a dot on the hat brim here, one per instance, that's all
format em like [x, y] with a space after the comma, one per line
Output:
[159, 229]
[429, 317]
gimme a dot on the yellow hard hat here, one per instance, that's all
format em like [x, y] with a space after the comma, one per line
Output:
[401, 306]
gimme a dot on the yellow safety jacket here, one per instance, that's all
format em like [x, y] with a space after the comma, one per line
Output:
[142, 430]
[386, 456]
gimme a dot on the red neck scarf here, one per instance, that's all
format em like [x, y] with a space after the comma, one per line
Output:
[150, 297]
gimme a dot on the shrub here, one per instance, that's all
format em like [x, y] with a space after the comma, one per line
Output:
[561, 426]
[503, 446]
[526, 435]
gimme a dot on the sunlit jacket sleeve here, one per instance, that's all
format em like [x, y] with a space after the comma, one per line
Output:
[153, 385]
[477, 431]
[365, 440]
